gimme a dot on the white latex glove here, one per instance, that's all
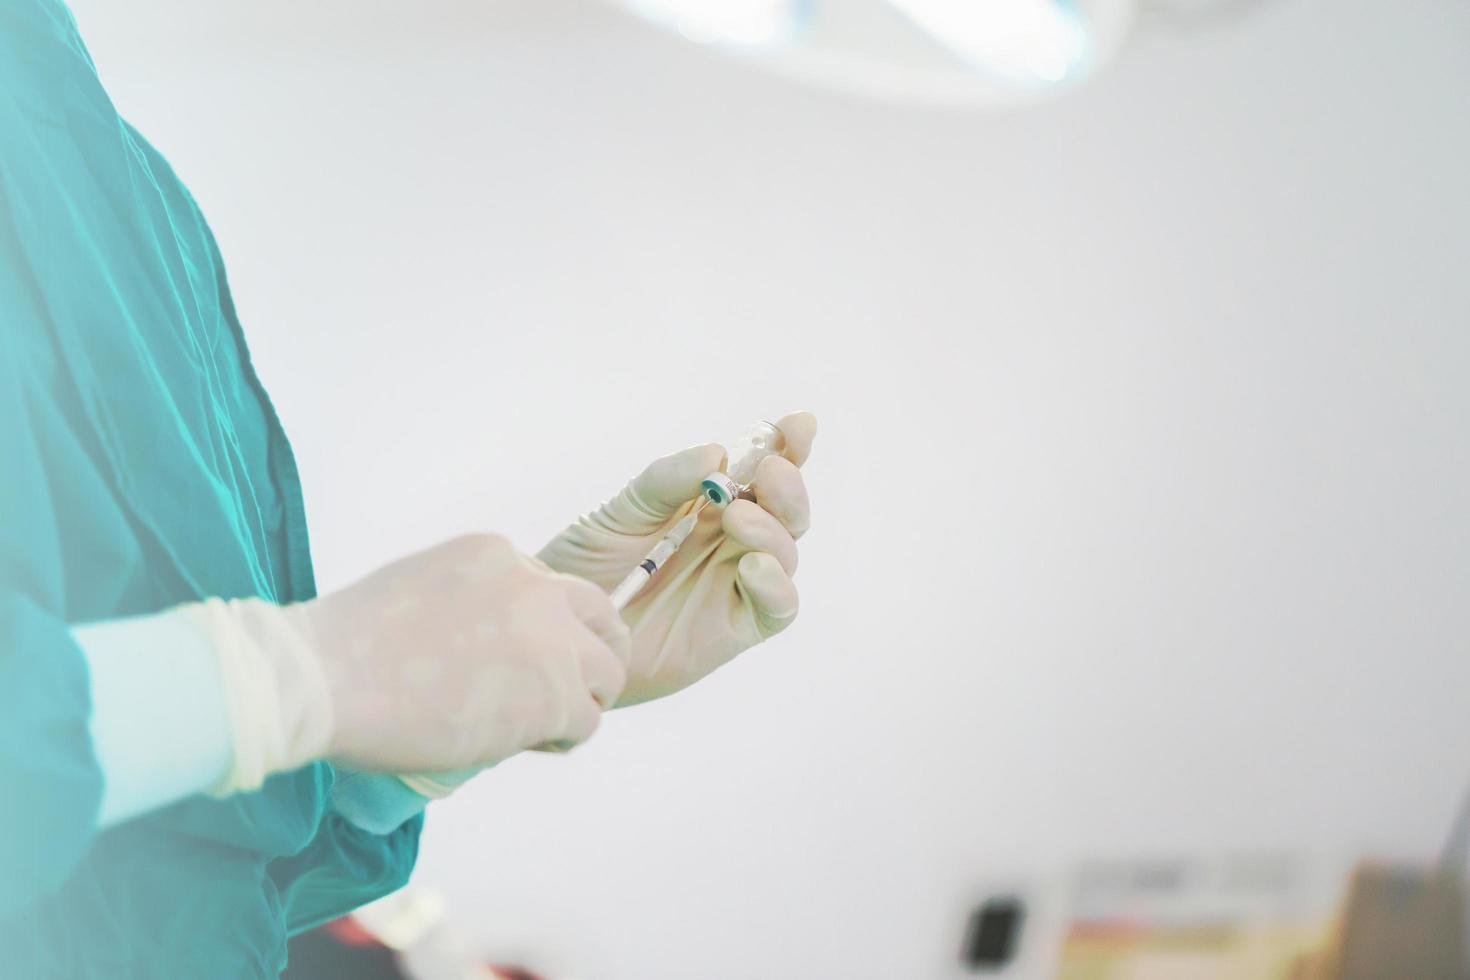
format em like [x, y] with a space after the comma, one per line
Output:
[456, 657]
[727, 588]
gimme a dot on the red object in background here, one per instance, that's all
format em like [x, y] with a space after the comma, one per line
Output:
[347, 932]
[313, 955]
[515, 973]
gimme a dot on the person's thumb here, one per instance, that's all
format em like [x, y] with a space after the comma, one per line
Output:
[667, 484]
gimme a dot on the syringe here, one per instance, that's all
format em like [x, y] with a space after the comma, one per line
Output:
[720, 489]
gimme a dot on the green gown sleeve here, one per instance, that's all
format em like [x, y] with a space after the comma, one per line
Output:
[343, 867]
[50, 784]
[141, 466]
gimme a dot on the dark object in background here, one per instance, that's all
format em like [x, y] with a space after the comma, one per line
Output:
[344, 950]
[993, 935]
[337, 951]
[1396, 923]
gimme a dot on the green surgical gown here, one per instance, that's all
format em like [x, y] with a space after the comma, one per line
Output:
[141, 466]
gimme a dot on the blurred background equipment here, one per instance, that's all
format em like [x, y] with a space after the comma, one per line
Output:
[1242, 917]
[1396, 922]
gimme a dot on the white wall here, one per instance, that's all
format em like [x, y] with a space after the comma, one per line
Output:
[1141, 490]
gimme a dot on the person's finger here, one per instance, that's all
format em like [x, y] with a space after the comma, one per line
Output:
[670, 482]
[603, 671]
[771, 593]
[579, 712]
[752, 528]
[779, 488]
[557, 747]
[593, 607]
[581, 724]
[799, 428]
[582, 721]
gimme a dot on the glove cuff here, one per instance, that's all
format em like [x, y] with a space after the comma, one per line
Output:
[437, 785]
[276, 693]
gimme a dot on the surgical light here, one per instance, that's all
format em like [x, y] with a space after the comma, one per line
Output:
[933, 51]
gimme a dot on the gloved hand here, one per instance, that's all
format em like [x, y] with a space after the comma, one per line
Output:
[455, 657]
[727, 588]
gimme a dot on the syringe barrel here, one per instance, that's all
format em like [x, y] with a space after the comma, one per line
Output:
[630, 586]
[661, 552]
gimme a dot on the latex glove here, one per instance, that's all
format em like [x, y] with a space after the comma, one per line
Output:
[456, 657]
[727, 588]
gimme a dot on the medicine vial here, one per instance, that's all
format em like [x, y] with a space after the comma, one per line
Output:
[741, 459]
